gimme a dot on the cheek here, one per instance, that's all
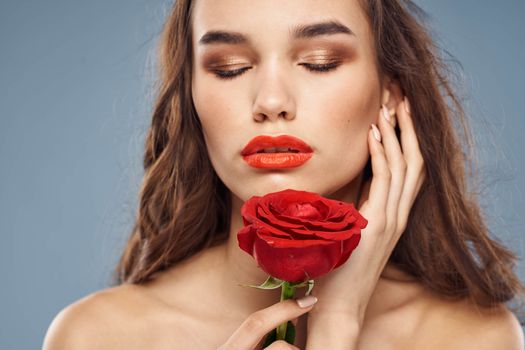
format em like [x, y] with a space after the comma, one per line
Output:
[212, 112]
[341, 109]
[220, 114]
[345, 106]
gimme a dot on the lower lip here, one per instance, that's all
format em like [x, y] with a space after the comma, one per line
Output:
[277, 160]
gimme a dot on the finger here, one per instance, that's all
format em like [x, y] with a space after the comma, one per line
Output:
[295, 321]
[415, 164]
[258, 324]
[363, 195]
[409, 142]
[380, 183]
[396, 163]
[281, 345]
[414, 181]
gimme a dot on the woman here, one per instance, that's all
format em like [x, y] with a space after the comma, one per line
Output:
[425, 274]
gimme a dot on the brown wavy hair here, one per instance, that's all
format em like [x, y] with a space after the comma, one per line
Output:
[184, 207]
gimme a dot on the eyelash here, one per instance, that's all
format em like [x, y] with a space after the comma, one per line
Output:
[315, 68]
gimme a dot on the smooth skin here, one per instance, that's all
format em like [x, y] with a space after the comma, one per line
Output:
[398, 174]
[389, 195]
[365, 304]
[253, 330]
[130, 317]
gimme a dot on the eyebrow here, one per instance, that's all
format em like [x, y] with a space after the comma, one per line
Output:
[303, 31]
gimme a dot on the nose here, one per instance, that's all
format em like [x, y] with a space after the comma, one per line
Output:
[274, 98]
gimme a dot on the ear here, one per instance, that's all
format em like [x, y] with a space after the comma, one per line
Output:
[391, 94]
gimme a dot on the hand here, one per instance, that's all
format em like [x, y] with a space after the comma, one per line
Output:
[251, 333]
[388, 197]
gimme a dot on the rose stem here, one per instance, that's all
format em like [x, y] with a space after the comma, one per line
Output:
[287, 292]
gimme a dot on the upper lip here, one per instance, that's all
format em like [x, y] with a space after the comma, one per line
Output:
[261, 142]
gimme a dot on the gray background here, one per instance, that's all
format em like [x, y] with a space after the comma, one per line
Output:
[75, 95]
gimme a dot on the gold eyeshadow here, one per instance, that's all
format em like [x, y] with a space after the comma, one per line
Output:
[313, 50]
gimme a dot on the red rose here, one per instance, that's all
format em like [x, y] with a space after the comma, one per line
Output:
[297, 235]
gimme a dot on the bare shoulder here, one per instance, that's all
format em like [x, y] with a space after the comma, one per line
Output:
[91, 321]
[112, 318]
[465, 325]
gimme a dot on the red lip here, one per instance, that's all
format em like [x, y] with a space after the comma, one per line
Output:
[301, 152]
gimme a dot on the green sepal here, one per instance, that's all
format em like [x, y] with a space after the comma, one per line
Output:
[270, 283]
[309, 283]
[310, 287]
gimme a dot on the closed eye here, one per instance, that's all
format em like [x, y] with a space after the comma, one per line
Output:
[230, 74]
[317, 68]
[321, 67]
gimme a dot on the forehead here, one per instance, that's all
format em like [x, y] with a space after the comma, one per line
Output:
[261, 20]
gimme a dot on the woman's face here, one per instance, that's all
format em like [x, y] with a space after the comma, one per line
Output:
[277, 93]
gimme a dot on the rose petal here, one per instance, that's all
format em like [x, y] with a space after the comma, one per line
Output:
[291, 232]
[303, 211]
[282, 199]
[341, 221]
[361, 221]
[245, 238]
[296, 264]
[280, 228]
[272, 220]
[341, 206]
[329, 226]
[297, 235]
[348, 247]
[249, 210]
[333, 236]
[287, 235]
[273, 230]
[280, 242]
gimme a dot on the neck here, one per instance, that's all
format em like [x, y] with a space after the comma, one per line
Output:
[241, 268]
[225, 266]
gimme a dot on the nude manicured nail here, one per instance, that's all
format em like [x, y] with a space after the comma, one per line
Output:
[306, 301]
[376, 133]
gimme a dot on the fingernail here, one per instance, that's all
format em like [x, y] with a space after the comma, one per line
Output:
[385, 113]
[306, 301]
[376, 132]
[407, 105]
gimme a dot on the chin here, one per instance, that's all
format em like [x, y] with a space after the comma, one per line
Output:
[261, 187]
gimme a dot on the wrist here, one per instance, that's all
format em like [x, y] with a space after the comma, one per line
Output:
[351, 315]
[336, 330]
